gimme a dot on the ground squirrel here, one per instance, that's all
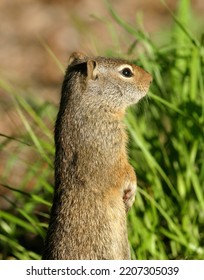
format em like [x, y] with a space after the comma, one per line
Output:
[94, 183]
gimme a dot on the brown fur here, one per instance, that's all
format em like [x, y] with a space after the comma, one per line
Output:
[94, 183]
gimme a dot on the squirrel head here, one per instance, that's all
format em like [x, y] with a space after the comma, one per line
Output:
[110, 82]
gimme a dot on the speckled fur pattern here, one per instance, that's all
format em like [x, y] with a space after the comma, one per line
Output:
[94, 183]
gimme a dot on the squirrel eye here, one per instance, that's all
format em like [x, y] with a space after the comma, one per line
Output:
[126, 72]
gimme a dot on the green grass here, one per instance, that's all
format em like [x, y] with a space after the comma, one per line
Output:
[166, 148]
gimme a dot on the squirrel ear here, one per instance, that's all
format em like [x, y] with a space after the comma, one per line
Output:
[92, 69]
[76, 56]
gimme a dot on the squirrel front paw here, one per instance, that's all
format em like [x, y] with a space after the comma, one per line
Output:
[129, 192]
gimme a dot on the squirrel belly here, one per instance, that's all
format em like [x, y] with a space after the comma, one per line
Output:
[85, 235]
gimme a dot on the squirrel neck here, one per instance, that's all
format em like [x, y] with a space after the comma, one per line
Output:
[94, 128]
[90, 139]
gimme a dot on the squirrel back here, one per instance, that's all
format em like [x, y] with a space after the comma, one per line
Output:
[94, 183]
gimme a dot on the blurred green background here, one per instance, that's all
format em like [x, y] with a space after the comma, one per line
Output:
[166, 129]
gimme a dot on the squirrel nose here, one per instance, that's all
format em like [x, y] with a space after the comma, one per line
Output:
[145, 77]
[150, 78]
